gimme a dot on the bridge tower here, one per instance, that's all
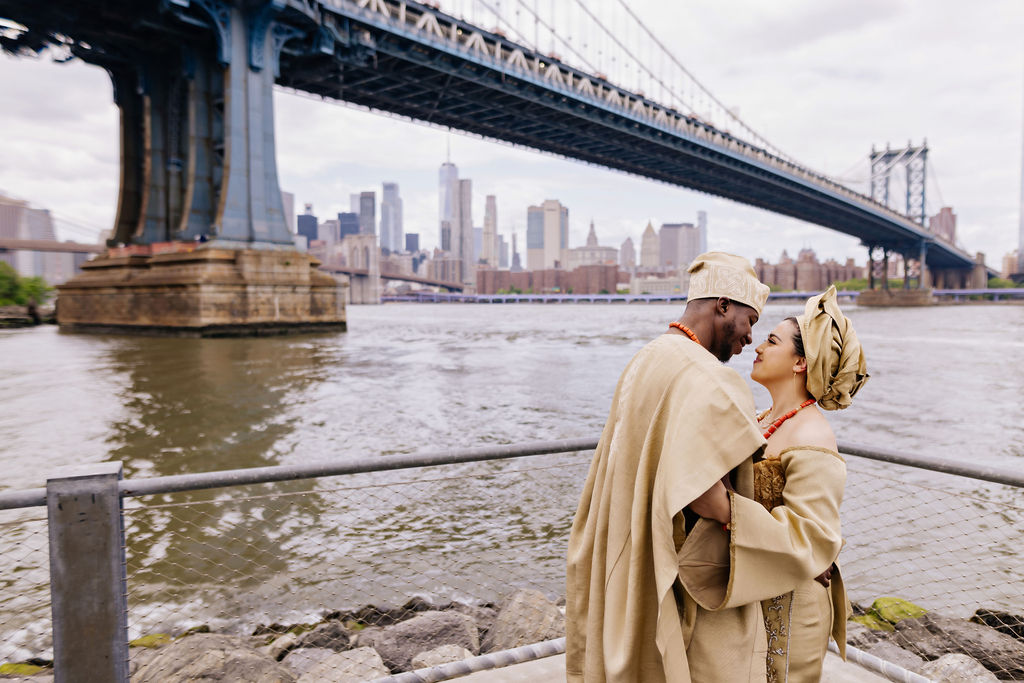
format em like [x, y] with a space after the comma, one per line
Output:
[914, 161]
[200, 243]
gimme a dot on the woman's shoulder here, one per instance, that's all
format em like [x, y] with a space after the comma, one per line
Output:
[811, 433]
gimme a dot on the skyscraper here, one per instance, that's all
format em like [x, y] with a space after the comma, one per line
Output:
[348, 224]
[288, 204]
[447, 177]
[668, 245]
[367, 213]
[680, 244]
[547, 235]
[702, 226]
[412, 242]
[649, 249]
[391, 218]
[502, 252]
[489, 246]
[1020, 243]
[627, 255]
[308, 224]
[517, 265]
[462, 228]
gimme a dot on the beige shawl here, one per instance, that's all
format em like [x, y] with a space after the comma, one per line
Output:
[679, 421]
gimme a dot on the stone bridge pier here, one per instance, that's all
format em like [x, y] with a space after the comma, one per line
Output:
[200, 244]
[361, 252]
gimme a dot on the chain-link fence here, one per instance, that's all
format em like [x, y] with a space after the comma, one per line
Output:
[330, 576]
[946, 544]
[24, 586]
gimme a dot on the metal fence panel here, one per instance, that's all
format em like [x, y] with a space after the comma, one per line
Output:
[25, 623]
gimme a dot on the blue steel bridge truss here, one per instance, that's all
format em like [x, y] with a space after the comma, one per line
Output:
[409, 59]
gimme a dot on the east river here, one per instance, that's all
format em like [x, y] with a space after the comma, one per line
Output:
[946, 381]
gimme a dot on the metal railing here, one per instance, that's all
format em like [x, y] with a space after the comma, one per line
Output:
[375, 540]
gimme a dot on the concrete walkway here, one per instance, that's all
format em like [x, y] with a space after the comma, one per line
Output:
[552, 670]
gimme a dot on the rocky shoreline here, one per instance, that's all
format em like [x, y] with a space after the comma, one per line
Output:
[373, 642]
[987, 647]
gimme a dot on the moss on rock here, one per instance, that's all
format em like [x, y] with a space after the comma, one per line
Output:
[20, 669]
[873, 621]
[152, 640]
[895, 610]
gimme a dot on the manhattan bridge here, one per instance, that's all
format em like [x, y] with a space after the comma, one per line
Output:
[193, 80]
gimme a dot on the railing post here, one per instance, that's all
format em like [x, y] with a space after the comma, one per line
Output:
[87, 575]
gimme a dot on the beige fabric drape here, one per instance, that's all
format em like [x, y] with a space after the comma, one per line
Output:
[679, 421]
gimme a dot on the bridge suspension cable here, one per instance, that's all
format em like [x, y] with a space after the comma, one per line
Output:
[613, 42]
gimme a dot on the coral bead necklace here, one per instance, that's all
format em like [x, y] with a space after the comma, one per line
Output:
[685, 330]
[778, 423]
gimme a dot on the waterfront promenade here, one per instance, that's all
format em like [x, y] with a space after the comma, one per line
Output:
[552, 670]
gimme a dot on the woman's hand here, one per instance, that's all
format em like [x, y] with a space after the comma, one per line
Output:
[714, 504]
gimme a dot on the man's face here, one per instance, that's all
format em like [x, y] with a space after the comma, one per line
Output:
[738, 319]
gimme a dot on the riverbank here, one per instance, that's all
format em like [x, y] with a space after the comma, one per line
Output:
[375, 642]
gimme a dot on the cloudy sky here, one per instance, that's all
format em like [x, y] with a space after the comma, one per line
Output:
[823, 80]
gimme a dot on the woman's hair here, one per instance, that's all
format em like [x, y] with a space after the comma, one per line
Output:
[798, 341]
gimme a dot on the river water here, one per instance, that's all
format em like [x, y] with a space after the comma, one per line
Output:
[946, 381]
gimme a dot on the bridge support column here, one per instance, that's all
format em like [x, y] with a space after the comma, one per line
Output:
[207, 249]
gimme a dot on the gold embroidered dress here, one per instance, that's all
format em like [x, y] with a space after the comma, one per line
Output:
[809, 481]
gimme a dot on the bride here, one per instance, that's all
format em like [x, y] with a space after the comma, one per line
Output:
[809, 363]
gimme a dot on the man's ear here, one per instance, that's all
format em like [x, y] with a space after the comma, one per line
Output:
[722, 305]
[800, 365]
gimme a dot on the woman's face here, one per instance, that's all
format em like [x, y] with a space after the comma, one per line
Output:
[776, 356]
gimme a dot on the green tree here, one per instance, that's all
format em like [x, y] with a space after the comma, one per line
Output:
[34, 289]
[9, 285]
[1000, 283]
[19, 291]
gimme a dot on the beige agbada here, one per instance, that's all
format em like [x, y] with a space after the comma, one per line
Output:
[679, 421]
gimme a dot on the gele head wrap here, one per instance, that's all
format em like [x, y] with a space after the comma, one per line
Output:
[718, 274]
[835, 359]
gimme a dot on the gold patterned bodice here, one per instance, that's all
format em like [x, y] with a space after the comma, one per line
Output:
[769, 480]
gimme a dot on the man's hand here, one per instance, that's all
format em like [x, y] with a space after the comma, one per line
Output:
[825, 578]
[714, 504]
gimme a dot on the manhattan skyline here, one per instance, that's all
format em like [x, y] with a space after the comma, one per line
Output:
[823, 84]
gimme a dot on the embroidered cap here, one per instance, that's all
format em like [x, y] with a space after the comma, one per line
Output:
[718, 274]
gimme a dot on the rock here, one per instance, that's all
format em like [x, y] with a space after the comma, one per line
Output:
[353, 666]
[526, 617]
[895, 610]
[890, 652]
[139, 657]
[440, 655]
[859, 635]
[300, 660]
[483, 615]
[997, 651]
[273, 629]
[399, 643]
[281, 645]
[872, 621]
[954, 668]
[212, 657]
[1004, 622]
[331, 634]
[915, 636]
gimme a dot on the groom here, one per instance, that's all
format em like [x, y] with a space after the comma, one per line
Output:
[654, 592]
